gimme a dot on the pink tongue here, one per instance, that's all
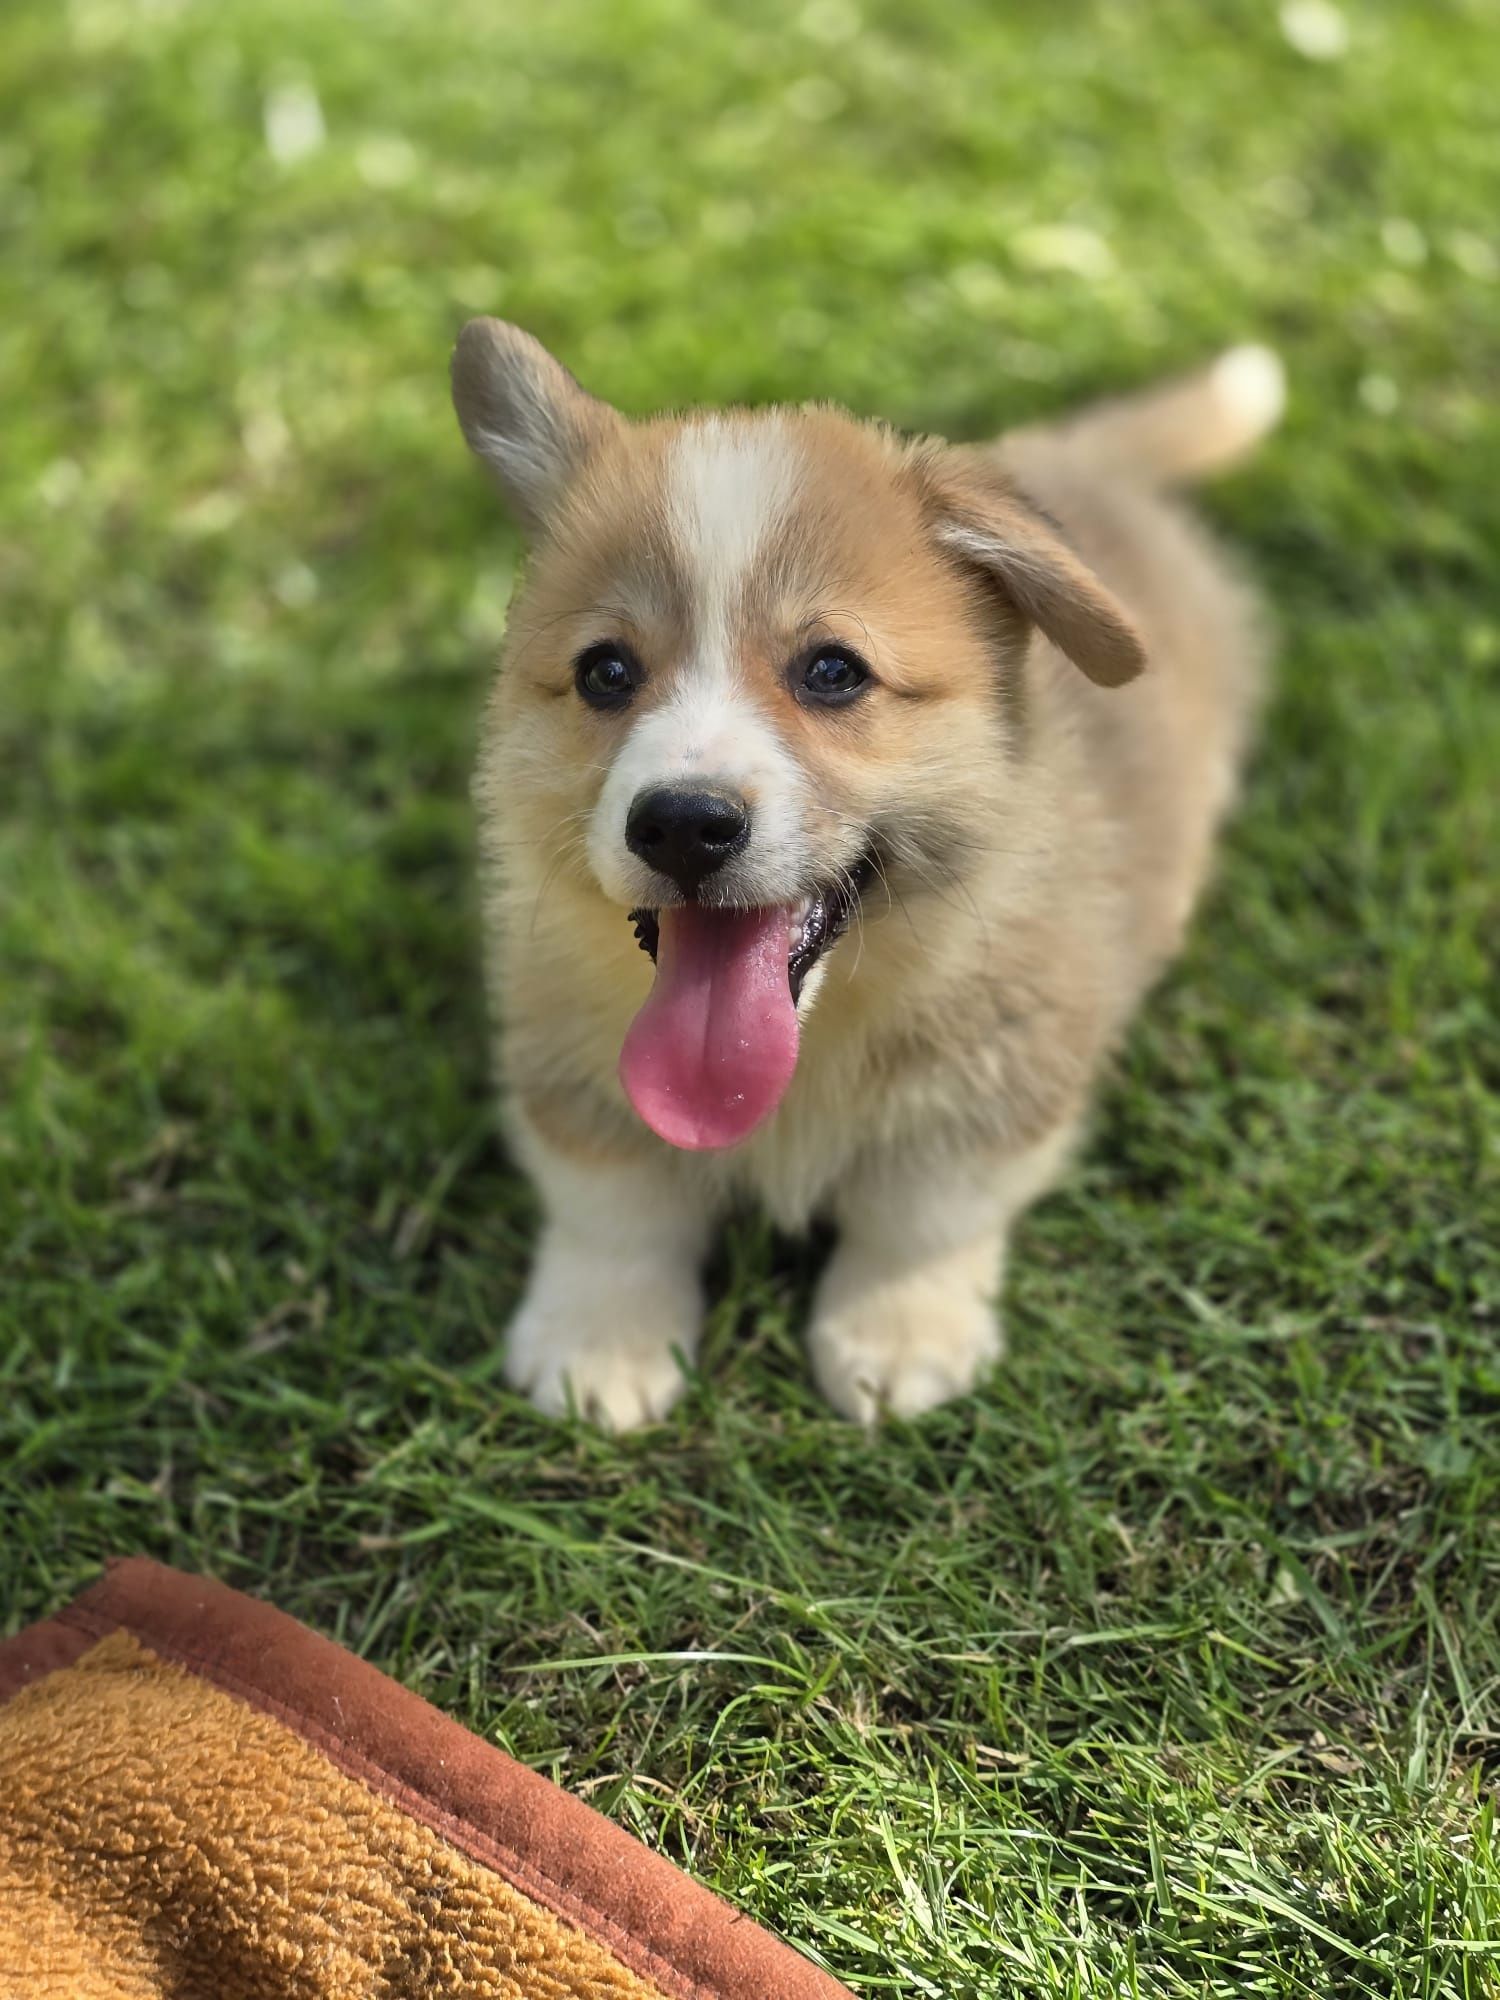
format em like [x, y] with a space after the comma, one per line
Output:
[712, 1051]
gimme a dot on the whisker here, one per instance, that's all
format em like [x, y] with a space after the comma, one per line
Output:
[548, 879]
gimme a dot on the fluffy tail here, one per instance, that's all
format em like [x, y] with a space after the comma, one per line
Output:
[1185, 430]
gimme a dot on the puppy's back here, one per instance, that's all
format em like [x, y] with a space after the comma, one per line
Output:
[1163, 756]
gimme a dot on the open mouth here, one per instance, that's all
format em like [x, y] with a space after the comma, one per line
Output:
[814, 924]
[711, 1053]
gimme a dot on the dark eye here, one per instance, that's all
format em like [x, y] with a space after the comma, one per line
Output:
[830, 676]
[607, 675]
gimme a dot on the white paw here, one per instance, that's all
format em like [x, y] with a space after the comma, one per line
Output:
[900, 1347]
[613, 1357]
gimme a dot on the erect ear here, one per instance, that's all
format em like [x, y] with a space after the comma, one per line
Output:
[979, 517]
[524, 415]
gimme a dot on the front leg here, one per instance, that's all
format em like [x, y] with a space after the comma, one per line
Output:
[615, 1294]
[906, 1315]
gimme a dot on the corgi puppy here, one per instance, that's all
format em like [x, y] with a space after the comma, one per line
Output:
[841, 794]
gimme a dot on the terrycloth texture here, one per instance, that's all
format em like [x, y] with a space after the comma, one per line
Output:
[201, 1800]
[160, 1837]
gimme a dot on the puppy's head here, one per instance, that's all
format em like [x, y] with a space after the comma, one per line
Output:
[759, 662]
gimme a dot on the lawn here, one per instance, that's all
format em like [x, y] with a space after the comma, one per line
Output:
[1169, 1665]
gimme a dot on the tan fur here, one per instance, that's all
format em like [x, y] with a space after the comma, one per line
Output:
[1046, 839]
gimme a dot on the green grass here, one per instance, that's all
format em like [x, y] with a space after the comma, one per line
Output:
[1167, 1666]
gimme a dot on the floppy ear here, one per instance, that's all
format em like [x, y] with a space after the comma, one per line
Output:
[980, 518]
[524, 415]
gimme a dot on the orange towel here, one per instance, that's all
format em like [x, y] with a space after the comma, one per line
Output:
[198, 1796]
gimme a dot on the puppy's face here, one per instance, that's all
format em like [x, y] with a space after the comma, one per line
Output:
[755, 677]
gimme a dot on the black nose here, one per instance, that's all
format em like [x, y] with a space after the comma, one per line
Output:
[686, 833]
